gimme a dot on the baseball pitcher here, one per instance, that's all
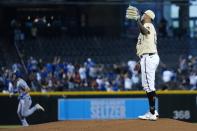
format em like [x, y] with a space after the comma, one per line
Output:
[147, 52]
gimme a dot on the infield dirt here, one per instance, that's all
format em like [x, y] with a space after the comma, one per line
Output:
[111, 125]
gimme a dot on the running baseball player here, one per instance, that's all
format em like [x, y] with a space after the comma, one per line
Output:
[147, 52]
[24, 107]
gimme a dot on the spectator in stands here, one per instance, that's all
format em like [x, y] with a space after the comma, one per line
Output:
[91, 68]
[16, 67]
[70, 70]
[44, 85]
[115, 85]
[135, 79]
[35, 85]
[7, 81]
[193, 80]
[118, 82]
[127, 82]
[131, 65]
[108, 86]
[167, 76]
[32, 64]
[83, 75]
[77, 79]
[100, 82]
[71, 84]
[93, 72]
[185, 82]
[183, 66]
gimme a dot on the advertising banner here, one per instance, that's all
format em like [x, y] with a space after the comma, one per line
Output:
[103, 108]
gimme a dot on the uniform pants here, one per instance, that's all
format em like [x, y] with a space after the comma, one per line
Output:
[24, 109]
[149, 64]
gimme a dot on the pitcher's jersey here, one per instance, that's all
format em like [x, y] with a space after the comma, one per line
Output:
[147, 43]
[21, 86]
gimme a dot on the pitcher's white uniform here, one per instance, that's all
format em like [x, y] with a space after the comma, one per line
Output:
[149, 59]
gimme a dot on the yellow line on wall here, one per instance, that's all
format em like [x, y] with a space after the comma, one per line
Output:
[95, 93]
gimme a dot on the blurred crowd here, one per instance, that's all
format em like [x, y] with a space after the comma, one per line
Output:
[63, 76]
[60, 75]
[184, 77]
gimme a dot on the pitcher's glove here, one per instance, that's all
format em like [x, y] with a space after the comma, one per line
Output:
[132, 13]
[138, 67]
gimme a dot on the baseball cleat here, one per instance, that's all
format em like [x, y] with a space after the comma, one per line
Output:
[25, 125]
[149, 116]
[153, 117]
[39, 107]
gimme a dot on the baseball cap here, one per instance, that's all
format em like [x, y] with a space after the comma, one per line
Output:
[150, 13]
[17, 74]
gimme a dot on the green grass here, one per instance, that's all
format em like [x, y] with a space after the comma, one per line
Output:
[9, 126]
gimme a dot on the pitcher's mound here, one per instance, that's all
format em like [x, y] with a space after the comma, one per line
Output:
[111, 125]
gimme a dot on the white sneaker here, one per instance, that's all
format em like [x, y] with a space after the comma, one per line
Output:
[39, 107]
[149, 116]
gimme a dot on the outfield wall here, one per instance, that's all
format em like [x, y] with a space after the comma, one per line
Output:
[101, 108]
[180, 105]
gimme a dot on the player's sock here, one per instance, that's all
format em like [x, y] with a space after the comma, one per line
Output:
[151, 99]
